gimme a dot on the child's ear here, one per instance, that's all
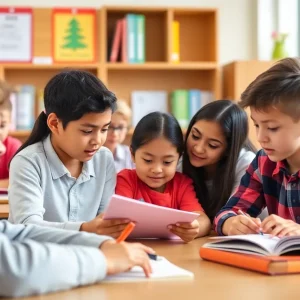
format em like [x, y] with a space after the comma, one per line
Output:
[52, 122]
[132, 154]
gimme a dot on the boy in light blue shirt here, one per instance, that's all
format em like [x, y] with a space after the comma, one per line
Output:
[62, 176]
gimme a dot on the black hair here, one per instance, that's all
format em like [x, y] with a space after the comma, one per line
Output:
[70, 94]
[234, 123]
[155, 125]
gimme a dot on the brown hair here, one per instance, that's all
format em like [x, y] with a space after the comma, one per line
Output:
[5, 92]
[279, 87]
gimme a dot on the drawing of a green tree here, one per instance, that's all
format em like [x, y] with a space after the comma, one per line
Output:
[74, 38]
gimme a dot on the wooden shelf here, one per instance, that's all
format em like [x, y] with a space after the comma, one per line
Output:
[237, 76]
[20, 134]
[19, 66]
[163, 66]
[198, 67]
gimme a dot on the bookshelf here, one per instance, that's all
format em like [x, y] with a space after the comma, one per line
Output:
[236, 77]
[198, 67]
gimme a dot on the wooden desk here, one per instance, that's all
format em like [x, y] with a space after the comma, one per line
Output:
[212, 281]
[4, 210]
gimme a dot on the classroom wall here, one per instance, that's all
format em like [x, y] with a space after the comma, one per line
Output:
[237, 19]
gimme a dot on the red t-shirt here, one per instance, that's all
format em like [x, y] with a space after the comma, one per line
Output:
[179, 192]
[12, 145]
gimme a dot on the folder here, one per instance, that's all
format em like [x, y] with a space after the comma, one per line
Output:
[151, 220]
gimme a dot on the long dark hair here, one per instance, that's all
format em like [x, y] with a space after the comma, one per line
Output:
[70, 94]
[155, 125]
[234, 123]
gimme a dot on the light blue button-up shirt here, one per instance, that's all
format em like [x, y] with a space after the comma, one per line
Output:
[43, 192]
[32, 262]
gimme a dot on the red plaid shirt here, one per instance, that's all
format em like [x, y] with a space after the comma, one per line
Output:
[265, 184]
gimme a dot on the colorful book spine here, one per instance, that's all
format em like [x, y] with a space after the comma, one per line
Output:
[124, 41]
[25, 107]
[175, 55]
[13, 100]
[116, 42]
[179, 107]
[40, 106]
[194, 102]
[131, 38]
[140, 30]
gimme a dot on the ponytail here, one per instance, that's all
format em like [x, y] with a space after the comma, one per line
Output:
[39, 132]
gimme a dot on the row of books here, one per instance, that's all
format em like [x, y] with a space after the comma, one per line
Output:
[183, 103]
[24, 107]
[128, 43]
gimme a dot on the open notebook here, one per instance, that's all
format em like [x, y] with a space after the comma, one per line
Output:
[161, 269]
[256, 244]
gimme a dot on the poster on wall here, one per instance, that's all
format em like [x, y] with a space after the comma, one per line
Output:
[74, 35]
[16, 44]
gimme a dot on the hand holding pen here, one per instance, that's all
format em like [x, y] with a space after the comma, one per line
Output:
[253, 221]
[121, 256]
[126, 232]
[241, 224]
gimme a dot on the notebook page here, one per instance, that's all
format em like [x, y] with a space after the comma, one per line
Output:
[161, 269]
[260, 241]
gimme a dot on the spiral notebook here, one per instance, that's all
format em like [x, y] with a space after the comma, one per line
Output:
[162, 269]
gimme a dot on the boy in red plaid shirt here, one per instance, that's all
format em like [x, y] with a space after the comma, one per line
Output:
[273, 178]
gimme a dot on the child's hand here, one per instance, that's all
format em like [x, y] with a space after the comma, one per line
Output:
[121, 257]
[111, 228]
[241, 225]
[186, 231]
[277, 226]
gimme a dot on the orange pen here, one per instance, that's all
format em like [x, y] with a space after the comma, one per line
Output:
[125, 233]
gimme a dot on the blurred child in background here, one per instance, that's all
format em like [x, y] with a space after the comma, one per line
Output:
[8, 144]
[117, 131]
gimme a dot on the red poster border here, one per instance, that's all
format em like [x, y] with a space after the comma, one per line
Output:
[20, 10]
[78, 11]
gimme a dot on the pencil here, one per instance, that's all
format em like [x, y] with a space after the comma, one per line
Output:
[242, 213]
[125, 233]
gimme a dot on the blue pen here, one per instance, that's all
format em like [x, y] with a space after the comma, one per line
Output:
[153, 256]
[242, 213]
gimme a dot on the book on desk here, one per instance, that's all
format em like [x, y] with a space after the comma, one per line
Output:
[262, 253]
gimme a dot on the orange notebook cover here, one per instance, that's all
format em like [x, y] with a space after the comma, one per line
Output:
[272, 265]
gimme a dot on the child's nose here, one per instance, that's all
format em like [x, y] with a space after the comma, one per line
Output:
[157, 169]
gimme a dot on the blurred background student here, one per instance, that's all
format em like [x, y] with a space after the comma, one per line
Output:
[120, 122]
[8, 144]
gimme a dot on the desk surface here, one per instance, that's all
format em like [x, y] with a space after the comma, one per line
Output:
[4, 210]
[212, 281]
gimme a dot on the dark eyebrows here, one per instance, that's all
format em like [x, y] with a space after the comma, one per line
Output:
[213, 140]
[264, 121]
[93, 125]
[166, 156]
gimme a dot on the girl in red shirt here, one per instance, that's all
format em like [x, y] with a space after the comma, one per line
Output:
[157, 144]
